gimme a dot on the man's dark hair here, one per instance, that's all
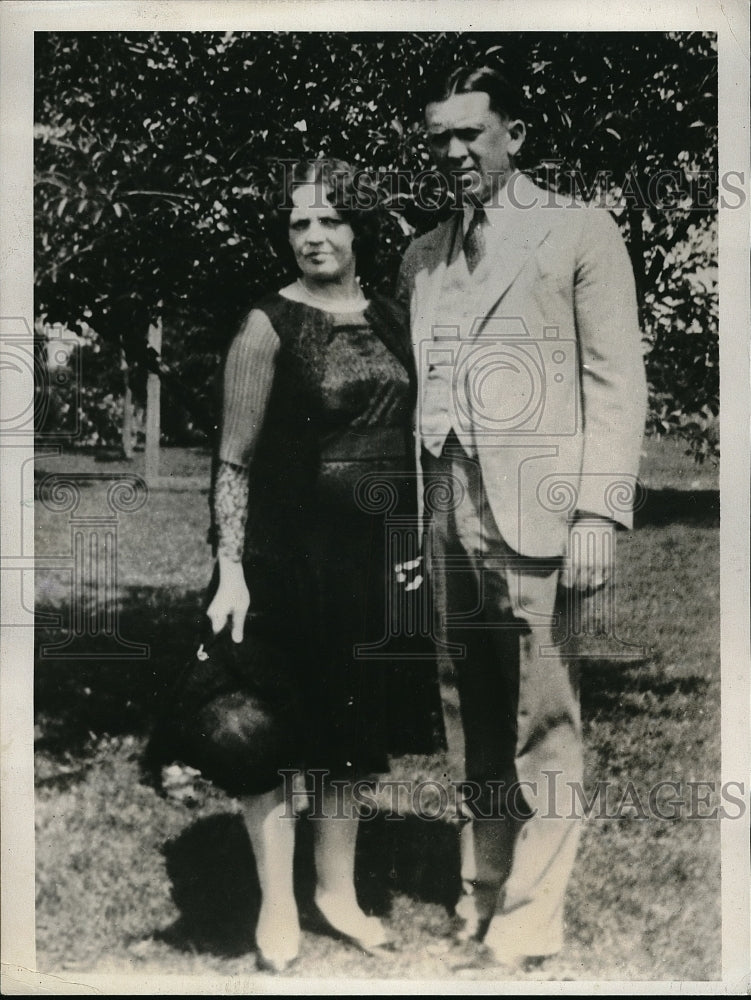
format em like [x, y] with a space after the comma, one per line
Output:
[505, 99]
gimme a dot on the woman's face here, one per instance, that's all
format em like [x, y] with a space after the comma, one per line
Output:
[320, 238]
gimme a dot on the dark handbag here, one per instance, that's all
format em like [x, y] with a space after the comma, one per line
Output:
[232, 712]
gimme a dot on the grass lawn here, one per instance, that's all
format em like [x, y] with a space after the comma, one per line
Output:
[128, 881]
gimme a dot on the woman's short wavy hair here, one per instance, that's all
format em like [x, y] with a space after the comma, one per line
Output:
[350, 191]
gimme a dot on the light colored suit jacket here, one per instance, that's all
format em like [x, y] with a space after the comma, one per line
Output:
[547, 368]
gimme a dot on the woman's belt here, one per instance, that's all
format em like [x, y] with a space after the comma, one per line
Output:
[365, 444]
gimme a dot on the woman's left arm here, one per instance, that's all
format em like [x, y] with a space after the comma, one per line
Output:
[248, 378]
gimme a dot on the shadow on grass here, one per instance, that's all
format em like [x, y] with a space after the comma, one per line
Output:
[215, 887]
[210, 864]
[409, 855]
[611, 688]
[76, 698]
[90, 694]
[700, 508]
[414, 856]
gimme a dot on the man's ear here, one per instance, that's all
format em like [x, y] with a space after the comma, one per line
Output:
[518, 132]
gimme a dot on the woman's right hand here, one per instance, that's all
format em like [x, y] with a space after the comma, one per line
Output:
[231, 600]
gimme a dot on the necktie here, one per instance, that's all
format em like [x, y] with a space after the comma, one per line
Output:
[474, 241]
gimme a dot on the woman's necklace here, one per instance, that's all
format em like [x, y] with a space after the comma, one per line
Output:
[358, 299]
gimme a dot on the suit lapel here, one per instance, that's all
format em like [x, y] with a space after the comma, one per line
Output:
[521, 228]
[426, 303]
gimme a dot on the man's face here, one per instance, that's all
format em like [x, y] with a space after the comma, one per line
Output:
[471, 144]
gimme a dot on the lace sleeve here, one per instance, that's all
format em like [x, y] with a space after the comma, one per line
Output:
[231, 509]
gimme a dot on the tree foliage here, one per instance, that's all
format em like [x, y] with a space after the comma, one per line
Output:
[158, 156]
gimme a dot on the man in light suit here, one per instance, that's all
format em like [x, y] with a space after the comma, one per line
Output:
[531, 408]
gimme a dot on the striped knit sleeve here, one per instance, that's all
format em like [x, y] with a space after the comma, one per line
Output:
[248, 377]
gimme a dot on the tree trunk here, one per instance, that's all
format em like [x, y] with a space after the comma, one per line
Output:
[127, 435]
[153, 409]
[639, 264]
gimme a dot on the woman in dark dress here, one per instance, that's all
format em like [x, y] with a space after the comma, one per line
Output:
[316, 456]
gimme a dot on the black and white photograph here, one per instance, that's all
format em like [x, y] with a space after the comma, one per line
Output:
[375, 575]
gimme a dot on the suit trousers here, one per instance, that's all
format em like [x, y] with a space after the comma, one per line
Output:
[499, 625]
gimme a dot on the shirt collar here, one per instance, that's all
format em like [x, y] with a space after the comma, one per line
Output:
[491, 209]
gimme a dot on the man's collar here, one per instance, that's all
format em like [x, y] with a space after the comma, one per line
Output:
[498, 201]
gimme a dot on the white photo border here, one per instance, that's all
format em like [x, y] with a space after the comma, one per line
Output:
[19, 20]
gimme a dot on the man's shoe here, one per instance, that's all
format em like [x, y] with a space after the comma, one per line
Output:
[520, 963]
[466, 911]
[524, 962]
[473, 922]
[478, 960]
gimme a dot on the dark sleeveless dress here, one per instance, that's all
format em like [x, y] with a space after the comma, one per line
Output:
[332, 509]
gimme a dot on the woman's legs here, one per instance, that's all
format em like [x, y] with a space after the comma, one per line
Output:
[335, 841]
[271, 828]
